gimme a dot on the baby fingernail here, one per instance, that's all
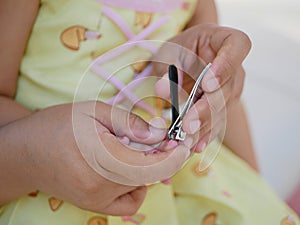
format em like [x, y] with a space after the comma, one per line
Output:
[155, 151]
[167, 181]
[195, 126]
[150, 152]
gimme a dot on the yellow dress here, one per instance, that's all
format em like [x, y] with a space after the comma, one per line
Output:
[71, 35]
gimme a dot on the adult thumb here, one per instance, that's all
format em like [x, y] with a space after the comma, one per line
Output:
[126, 124]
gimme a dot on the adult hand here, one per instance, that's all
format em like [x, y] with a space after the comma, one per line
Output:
[55, 161]
[225, 48]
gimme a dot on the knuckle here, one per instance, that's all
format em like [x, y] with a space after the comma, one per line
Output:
[91, 204]
[200, 107]
[214, 108]
[245, 39]
[88, 186]
[239, 83]
[229, 67]
[135, 121]
[226, 70]
[242, 72]
[87, 203]
[132, 210]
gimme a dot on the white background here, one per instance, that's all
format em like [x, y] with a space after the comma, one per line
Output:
[272, 89]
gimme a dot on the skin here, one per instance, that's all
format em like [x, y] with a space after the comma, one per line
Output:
[37, 160]
[226, 48]
[26, 168]
[31, 162]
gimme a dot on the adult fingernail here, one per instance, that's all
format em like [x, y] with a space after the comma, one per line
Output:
[157, 126]
[195, 126]
[171, 144]
[188, 142]
[202, 147]
[160, 85]
[212, 84]
[163, 80]
[210, 81]
[165, 77]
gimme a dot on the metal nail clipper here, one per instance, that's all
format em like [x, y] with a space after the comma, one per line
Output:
[175, 130]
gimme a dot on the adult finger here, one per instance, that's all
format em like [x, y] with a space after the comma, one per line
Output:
[127, 204]
[184, 58]
[207, 108]
[125, 124]
[210, 133]
[137, 167]
[232, 46]
[201, 138]
[108, 156]
[238, 84]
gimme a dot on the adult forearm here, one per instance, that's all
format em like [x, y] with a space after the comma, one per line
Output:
[205, 12]
[237, 136]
